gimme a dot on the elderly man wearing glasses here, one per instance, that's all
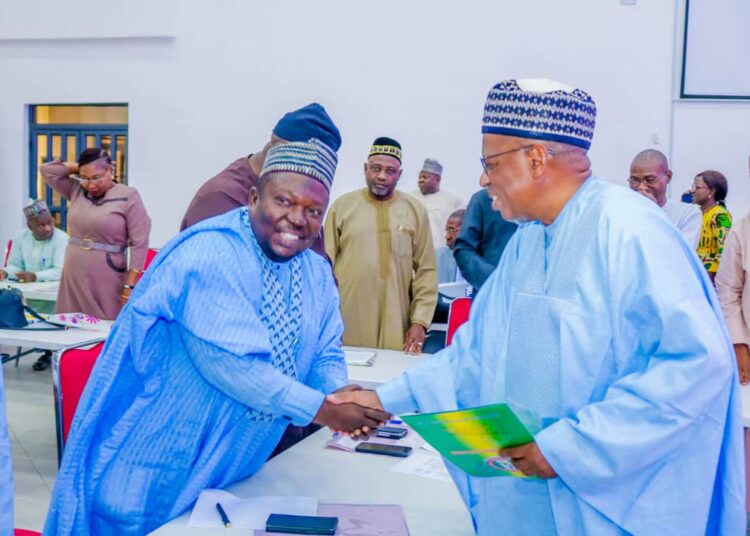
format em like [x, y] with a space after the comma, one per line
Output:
[649, 176]
[600, 320]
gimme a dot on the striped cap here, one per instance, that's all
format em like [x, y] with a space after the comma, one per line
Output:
[312, 158]
[540, 109]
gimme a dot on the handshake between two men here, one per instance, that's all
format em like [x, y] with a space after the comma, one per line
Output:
[359, 412]
[352, 410]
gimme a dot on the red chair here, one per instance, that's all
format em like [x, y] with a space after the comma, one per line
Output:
[71, 368]
[7, 252]
[149, 257]
[457, 315]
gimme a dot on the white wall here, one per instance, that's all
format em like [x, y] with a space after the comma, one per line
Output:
[713, 135]
[417, 71]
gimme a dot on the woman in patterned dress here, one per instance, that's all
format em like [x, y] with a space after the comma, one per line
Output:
[709, 192]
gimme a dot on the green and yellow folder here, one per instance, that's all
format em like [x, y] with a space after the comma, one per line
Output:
[470, 438]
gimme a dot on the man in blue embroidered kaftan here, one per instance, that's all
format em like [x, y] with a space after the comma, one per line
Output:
[233, 333]
[600, 319]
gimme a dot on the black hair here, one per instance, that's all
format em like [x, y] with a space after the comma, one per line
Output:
[92, 154]
[717, 182]
[458, 214]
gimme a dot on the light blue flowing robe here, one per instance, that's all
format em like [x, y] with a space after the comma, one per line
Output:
[605, 323]
[166, 412]
[6, 469]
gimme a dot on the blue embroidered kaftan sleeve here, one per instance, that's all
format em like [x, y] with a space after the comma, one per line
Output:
[328, 371]
[216, 312]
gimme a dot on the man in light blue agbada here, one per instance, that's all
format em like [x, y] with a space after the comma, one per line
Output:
[38, 252]
[601, 320]
[233, 333]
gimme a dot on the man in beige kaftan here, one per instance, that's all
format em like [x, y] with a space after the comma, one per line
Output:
[381, 247]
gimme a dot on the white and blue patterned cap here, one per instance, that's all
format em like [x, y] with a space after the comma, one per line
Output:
[35, 207]
[312, 158]
[541, 109]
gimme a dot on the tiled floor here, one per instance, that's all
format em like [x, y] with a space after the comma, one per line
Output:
[31, 418]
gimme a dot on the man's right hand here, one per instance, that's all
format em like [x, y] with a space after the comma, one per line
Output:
[349, 416]
[3, 275]
[362, 397]
[743, 362]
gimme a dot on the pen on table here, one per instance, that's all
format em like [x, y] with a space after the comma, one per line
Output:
[224, 517]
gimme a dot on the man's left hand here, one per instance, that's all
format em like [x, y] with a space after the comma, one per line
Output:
[26, 277]
[414, 339]
[529, 460]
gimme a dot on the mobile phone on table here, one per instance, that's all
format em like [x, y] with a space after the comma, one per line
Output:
[391, 432]
[399, 451]
[289, 524]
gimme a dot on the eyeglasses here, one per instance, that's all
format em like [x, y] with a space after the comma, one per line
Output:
[489, 168]
[92, 180]
[648, 181]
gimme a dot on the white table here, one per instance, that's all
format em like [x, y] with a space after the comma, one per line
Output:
[431, 507]
[388, 365]
[48, 340]
[43, 291]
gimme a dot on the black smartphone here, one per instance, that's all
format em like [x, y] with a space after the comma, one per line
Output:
[387, 450]
[391, 432]
[288, 524]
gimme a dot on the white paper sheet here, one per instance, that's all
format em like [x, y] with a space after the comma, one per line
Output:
[453, 290]
[423, 464]
[359, 358]
[247, 513]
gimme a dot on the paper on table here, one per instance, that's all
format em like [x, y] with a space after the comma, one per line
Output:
[80, 320]
[453, 290]
[246, 513]
[423, 464]
[359, 358]
[362, 519]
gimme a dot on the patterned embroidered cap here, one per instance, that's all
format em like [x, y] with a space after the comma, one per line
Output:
[386, 146]
[432, 166]
[34, 208]
[540, 109]
[312, 158]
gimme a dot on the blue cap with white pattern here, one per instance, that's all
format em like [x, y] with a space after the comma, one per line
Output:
[542, 109]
